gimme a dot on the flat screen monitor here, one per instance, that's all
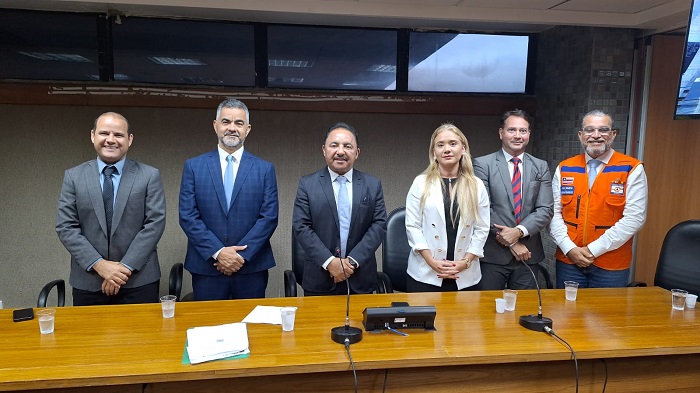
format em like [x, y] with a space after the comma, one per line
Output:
[468, 63]
[688, 105]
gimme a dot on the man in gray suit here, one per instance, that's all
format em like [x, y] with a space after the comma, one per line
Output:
[520, 190]
[111, 215]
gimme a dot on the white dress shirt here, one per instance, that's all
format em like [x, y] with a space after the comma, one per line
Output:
[336, 188]
[511, 169]
[236, 162]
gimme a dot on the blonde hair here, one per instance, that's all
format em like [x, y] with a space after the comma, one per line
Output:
[466, 187]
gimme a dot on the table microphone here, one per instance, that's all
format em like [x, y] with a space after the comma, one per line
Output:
[537, 322]
[346, 334]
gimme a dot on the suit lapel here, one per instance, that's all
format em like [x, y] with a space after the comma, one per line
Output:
[126, 183]
[436, 199]
[217, 179]
[92, 184]
[241, 175]
[357, 194]
[324, 179]
[504, 174]
[529, 172]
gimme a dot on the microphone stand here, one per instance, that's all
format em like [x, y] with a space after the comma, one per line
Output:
[346, 334]
[537, 322]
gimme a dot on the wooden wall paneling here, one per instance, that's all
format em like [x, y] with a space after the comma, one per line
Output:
[670, 151]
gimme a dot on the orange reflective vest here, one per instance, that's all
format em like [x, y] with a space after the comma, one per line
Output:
[588, 214]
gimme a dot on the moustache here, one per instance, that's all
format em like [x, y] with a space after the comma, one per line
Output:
[232, 133]
[340, 157]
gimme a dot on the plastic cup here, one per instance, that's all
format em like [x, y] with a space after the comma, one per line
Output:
[167, 304]
[571, 289]
[500, 305]
[46, 317]
[690, 300]
[510, 296]
[288, 314]
[678, 297]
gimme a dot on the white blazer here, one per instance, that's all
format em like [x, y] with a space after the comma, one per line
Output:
[426, 230]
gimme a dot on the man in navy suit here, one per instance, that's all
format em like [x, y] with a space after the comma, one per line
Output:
[339, 245]
[228, 210]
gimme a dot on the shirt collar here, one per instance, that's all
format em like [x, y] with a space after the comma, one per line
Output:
[238, 154]
[508, 156]
[604, 158]
[347, 175]
[119, 165]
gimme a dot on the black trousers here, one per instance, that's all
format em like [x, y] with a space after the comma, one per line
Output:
[514, 275]
[448, 285]
[144, 294]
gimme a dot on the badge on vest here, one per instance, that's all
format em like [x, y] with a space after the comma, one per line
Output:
[567, 190]
[617, 188]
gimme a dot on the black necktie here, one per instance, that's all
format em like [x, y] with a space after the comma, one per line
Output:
[108, 197]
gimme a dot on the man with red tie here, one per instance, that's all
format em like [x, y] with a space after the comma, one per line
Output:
[520, 191]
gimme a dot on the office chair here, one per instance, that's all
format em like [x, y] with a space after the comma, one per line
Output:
[175, 283]
[678, 265]
[542, 271]
[175, 280]
[46, 290]
[296, 274]
[395, 251]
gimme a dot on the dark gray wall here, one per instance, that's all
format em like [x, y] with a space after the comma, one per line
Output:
[579, 69]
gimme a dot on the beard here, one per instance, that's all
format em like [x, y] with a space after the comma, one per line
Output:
[231, 141]
[597, 151]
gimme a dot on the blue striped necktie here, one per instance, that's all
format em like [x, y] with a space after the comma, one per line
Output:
[592, 171]
[343, 214]
[228, 180]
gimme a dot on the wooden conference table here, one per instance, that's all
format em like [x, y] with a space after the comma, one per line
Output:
[646, 345]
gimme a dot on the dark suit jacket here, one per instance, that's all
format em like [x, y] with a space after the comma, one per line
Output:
[137, 224]
[210, 225]
[315, 224]
[537, 203]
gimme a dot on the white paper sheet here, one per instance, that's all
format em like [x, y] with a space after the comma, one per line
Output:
[264, 314]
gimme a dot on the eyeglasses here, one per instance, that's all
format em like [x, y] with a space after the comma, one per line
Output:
[521, 131]
[602, 130]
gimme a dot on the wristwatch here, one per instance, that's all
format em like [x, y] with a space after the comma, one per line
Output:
[353, 263]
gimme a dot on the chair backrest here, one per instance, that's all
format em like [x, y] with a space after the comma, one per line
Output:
[44, 294]
[542, 272]
[395, 249]
[679, 266]
[175, 280]
[298, 258]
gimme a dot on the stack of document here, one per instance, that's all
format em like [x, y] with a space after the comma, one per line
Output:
[217, 342]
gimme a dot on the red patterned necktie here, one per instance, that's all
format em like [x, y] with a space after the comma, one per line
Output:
[517, 195]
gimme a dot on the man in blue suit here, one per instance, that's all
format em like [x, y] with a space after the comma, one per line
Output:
[228, 210]
[339, 220]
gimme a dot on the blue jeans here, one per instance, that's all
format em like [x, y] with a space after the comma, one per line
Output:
[591, 276]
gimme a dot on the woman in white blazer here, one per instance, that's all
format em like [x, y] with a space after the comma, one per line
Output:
[447, 218]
